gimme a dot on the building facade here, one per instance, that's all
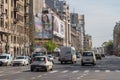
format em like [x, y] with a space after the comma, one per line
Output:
[88, 42]
[116, 39]
[14, 26]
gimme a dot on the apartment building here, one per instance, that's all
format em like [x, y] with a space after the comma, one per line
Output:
[14, 27]
[88, 43]
[116, 39]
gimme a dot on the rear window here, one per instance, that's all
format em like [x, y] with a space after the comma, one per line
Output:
[39, 59]
[37, 54]
[87, 54]
[3, 57]
[20, 57]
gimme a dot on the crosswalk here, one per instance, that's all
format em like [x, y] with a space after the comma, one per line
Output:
[2, 73]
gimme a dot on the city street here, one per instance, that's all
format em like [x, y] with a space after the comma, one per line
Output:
[106, 69]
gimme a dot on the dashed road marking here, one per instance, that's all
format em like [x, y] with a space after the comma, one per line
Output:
[117, 70]
[97, 70]
[76, 71]
[86, 71]
[33, 78]
[1, 74]
[39, 76]
[107, 71]
[65, 71]
[1, 71]
[54, 71]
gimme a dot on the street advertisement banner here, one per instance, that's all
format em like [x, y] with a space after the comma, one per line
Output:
[43, 26]
[58, 27]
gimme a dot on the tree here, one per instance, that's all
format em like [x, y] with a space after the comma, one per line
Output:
[50, 46]
[108, 47]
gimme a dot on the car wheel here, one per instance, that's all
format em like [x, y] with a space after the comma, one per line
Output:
[82, 64]
[31, 69]
[61, 62]
[46, 69]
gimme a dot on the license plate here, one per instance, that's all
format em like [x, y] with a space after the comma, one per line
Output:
[87, 59]
[38, 67]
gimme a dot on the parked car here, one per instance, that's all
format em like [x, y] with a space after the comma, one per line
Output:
[98, 56]
[41, 63]
[5, 59]
[21, 60]
[88, 57]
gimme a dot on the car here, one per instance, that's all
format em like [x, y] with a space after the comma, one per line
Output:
[36, 54]
[98, 56]
[5, 59]
[88, 57]
[21, 60]
[51, 57]
[41, 63]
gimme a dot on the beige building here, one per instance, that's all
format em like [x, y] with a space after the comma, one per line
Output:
[14, 26]
[116, 39]
[88, 42]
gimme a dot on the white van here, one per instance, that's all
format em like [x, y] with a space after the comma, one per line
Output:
[67, 54]
[6, 59]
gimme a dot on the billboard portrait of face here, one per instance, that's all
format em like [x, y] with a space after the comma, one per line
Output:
[43, 26]
[38, 26]
[46, 25]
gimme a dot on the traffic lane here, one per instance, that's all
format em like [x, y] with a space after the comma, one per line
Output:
[108, 75]
[22, 75]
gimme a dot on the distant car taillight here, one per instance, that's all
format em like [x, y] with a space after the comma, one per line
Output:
[32, 59]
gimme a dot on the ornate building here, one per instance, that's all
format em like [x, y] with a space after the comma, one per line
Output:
[14, 27]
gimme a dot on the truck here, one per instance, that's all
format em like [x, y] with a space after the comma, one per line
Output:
[67, 54]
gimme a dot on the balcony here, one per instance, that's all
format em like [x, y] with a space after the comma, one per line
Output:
[27, 4]
[16, 9]
[26, 14]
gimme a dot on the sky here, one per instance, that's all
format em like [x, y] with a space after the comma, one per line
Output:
[100, 17]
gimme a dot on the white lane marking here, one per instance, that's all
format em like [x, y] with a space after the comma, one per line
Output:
[33, 78]
[78, 78]
[97, 70]
[117, 70]
[65, 71]
[39, 76]
[54, 71]
[17, 72]
[1, 74]
[44, 74]
[1, 71]
[76, 71]
[86, 71]
[107, 70]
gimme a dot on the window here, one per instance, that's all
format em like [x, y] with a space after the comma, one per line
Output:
[6, 1]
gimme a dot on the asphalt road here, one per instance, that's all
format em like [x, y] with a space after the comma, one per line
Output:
[106, 69]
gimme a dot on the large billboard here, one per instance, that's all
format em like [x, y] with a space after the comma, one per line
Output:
[43, 26]
[58, 27]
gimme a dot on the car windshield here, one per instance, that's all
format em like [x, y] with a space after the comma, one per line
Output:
[41, 59]
[20, 58]
[87, 54]
[3, 57]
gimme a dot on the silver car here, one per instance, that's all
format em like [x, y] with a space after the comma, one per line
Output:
[88, 57]
[41, 63]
